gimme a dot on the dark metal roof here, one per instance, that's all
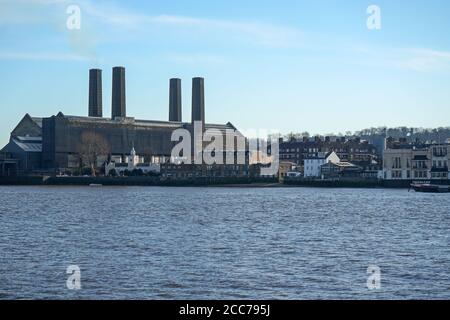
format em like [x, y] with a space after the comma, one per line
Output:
[38, 121]
[146, 123]
[29, 139]
[28, 147]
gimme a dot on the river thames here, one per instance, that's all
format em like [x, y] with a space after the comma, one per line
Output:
[223, 243]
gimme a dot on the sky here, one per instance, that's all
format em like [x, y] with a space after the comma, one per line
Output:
[286, 65]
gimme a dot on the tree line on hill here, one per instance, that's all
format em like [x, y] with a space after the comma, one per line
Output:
[439, 135]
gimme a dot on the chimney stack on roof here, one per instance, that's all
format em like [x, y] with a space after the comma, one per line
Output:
[95, 93]
[175, 109]
[198, 100]
[118, 99]
[118, 102]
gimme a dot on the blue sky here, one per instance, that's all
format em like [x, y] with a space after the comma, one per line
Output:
[289, 65]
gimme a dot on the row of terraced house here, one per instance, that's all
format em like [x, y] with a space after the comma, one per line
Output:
[339, 157]
[329, 157]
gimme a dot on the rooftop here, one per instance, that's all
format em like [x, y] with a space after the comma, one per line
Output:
[344, 164]
[319, 156]
[28, 147]
[29, 139]
[143, 123]
[38, 121]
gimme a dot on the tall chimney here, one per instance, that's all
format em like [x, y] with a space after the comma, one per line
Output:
[95, 93]
[175, 113]
[118, 93]
[198, 100]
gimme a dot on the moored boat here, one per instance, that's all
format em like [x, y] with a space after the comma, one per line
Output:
[430, 188]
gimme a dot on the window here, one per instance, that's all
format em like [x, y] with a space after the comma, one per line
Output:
[396, 174]
[397, 163]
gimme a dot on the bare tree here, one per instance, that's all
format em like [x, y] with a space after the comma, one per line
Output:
[91, 147]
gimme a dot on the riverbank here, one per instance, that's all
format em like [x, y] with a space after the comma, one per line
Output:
[359, 183]
[140, 181]
[211, 182]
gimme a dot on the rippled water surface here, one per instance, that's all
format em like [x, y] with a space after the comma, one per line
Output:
[223, 243]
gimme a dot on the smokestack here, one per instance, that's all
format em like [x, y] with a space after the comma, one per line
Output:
[198, 100]
[175, 100]
[95, 93]
[118, 93]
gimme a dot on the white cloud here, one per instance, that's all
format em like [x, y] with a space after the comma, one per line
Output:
[408, 59]
[43, 56]
[260, 33]
[112, 16]
[110, 20]
[425, 60]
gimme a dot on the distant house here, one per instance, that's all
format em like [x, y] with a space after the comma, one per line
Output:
[284, 168]
[312, 167]
[332, 170]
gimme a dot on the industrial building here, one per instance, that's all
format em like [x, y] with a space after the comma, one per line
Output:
[52, 144]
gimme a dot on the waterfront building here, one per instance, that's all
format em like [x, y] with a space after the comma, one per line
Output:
[133, 162]
[313, 164]
[354, 150]
[403, 161]
[340, 170]
[52, 144]
[25, 145]
[284, 168]
[189, 171]
[440, 157]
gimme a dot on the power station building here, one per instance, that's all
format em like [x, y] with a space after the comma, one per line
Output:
[53, 143]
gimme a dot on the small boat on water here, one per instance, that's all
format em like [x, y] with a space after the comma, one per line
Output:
[430, 188]
[95, 185]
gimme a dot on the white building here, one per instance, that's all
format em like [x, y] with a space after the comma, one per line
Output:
[313, 165]
[133, 162]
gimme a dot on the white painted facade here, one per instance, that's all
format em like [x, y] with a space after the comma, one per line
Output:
[312, 165]
[133, 162]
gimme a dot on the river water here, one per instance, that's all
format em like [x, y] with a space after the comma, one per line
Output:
[223, 243]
